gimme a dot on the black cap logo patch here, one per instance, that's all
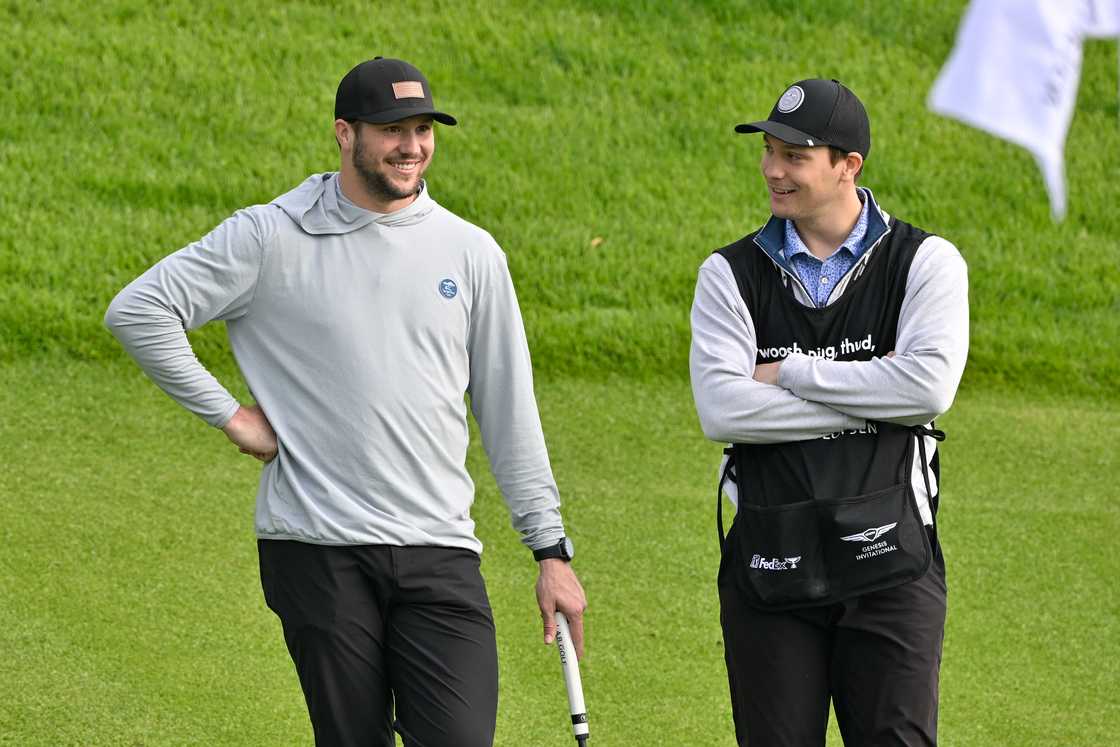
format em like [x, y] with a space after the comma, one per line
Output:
[791, 99]
[408, 89]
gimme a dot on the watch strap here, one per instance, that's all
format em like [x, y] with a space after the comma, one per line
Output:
[557, 550]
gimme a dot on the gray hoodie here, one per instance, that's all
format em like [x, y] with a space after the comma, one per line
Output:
[359, 334]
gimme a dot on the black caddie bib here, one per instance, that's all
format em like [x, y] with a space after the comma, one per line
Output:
[823, 520]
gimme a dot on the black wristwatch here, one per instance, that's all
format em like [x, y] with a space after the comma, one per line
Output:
[562, 549]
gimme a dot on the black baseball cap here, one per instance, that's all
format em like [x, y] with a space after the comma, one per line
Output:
[818, 112]
[385, 90]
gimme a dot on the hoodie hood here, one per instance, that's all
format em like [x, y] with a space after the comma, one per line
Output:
[319, 207]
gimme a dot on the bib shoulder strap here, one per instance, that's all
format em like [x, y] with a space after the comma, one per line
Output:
[728, 471]
[920, 432]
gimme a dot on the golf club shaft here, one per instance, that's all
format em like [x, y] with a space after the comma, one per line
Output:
[570, 664]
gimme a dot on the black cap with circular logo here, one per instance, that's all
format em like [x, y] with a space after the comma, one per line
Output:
[385, 90]
[818, 112]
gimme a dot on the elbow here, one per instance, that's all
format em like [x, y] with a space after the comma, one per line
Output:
[123, 314]
[116, 316]
[113, 316]
[710, 432]
[713, 426]
[931, 385]
[938, 402]
[933, 403]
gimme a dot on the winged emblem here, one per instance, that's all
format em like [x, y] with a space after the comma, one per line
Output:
[870, 535]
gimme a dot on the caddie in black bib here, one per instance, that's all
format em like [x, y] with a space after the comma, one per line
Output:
[823, 520]
[824, 345]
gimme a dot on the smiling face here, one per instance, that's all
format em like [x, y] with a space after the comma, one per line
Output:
[389, 159]
[804, 183]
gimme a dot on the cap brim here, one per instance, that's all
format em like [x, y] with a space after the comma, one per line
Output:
[785, 133]
[396, 115]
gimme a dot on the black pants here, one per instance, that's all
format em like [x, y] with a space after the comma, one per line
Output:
[876, 656]
[375, 627]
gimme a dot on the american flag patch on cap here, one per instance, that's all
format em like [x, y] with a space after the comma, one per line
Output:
[408, 89]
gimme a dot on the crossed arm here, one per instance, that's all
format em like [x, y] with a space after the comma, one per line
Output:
[802, 397]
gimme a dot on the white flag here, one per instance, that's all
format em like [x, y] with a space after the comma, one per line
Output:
[1104, 18]
[1014, 72]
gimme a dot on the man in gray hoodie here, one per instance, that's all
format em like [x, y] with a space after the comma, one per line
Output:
[823, 346]
[362, 314]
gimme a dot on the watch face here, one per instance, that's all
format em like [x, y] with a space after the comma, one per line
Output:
[569, 548]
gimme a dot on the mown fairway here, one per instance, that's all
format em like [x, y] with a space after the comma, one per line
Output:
[130, 611]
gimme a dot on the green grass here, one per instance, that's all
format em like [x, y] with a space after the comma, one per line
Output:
[132, 133]
[130, 610]
[133, 615]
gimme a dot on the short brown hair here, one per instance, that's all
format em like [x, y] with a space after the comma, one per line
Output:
[836, 155]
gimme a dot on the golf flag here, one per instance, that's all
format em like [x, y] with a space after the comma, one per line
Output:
[1104, 18]
[1014, 73]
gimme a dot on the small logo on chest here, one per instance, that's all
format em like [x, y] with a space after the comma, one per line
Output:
[448, 288]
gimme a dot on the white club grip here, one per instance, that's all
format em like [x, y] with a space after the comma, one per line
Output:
[570, 664]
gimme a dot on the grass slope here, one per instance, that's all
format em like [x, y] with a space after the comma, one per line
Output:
[132, 612]
[130, 129]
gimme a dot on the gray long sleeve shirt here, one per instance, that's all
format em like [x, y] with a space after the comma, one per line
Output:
[359, 334]
[816, 397]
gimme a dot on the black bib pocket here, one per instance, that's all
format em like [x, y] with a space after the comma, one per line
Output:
[875, 541]
[781, 554]
[823, 551]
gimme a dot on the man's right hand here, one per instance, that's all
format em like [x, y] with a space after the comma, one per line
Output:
[250, 430]
[558, 589]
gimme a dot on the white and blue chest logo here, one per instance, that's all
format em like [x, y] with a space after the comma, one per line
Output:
[448, 288]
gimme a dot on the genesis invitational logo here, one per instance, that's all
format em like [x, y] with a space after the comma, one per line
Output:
[870, 535]
[874, 549]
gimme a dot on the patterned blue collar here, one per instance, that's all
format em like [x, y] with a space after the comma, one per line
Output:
[854, 243]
